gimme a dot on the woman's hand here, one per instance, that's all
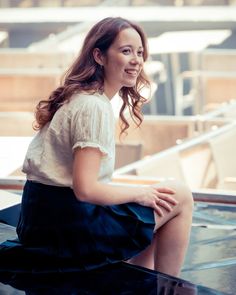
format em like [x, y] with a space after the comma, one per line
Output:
[158, 198]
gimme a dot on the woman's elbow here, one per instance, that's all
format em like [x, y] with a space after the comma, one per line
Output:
[82, 193]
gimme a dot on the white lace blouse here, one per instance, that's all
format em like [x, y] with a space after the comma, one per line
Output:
[86, 121]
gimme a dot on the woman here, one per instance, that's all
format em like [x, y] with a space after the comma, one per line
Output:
[70, 210]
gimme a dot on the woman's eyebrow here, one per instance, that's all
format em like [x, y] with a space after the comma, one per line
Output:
[131, 46]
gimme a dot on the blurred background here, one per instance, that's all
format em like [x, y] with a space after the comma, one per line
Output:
[189, 127]
[192, 65]
[192, 58]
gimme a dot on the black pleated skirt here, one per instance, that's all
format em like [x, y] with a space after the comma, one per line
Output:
[57, 228]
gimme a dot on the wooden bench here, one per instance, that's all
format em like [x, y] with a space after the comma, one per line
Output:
[22, 89]
[218, 76]
[24, 58]
[223, 149]
[208, 90]
[217, 60]
[16, 124]
[27, 76]
[127, 153]
[158, 133]
[201, 162]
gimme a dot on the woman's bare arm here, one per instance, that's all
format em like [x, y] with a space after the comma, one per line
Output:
[87, 188]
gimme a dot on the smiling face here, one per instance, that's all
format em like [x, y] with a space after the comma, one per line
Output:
[122, 62]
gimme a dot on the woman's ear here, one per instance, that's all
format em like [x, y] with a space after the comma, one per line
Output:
[98, 57]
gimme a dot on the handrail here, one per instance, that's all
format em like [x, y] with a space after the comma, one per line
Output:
[225, 107]
[199, 195]
[12, 182]
[215, 196]
[183, 146]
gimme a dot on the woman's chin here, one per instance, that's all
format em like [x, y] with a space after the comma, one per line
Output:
[129, 85]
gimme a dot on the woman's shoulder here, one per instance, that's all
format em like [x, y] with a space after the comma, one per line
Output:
[89, 100]
[86, 104]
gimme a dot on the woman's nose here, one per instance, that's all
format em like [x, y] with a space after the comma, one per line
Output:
[135, 59]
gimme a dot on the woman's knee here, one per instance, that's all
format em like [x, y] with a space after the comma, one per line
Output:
[184, 207]
[183, 193]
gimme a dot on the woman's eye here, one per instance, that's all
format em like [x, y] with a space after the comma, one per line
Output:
[126, 51]
[140, 53]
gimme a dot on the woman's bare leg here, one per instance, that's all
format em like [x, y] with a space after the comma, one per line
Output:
[168, 248]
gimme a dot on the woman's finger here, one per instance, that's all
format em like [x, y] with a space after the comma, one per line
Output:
[164, 204]
[167, 198]
[158, 210]
[166, 190]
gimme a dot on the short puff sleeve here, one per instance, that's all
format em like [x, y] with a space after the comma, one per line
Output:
[92, 125]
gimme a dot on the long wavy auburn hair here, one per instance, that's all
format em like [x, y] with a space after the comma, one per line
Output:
[86, 75]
